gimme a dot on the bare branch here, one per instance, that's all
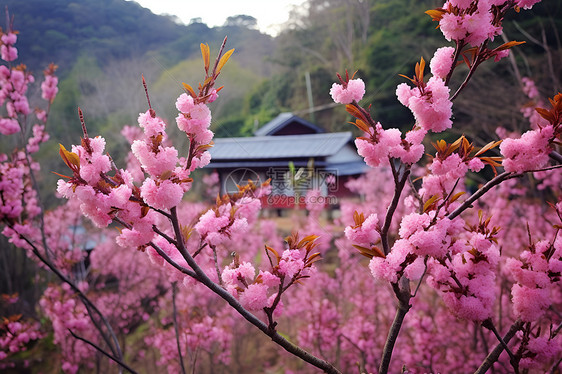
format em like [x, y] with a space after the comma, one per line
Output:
[495, 354]
[99, 349]
[475, 196]
[402, 291]
[176, 328]
[400, 182]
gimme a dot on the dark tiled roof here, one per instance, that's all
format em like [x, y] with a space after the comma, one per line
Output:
[279, 147]
[283, 120]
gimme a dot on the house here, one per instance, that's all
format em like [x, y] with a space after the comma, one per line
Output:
[295, 154]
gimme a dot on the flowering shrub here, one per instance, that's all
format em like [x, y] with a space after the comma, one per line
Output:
[170, 260]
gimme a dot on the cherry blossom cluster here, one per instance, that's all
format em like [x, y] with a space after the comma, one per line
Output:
[49, 87]
[7, 50]
[13, 87]
[19, 199]
[348, 91]
[451, 163]
[103, 198]
[263, 292]
[536, 273]
[474, 21]
[466, 278]
[421, 235]
[66, 314]
[163, 174]
[429, 102]
[15, 335]
[14, 82]
[232, 214]
[531, 151]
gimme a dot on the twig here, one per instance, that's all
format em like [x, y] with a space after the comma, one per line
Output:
[421, 278]
[495, 354]
[216, 260]
[99, 349]
[399, 187]
[555, 367]
[475, 196]
[555, 156]
[416, 194]
[176, 329]
[402, 291]
[483, 337]
[477, 61]
[98, 327]
[117, 349]
[490, 326]
[459, 46]
[199, 249]
[172, 262]
[162, 234]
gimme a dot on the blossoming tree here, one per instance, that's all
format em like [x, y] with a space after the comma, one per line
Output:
[440, 259]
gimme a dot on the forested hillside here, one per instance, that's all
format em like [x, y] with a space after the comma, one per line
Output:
[103, 46]
[383, 38]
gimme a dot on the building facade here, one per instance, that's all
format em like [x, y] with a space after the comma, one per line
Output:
[296, 155]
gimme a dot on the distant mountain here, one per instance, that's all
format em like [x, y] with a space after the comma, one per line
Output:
[60, 31]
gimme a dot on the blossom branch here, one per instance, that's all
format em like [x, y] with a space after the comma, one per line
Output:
[216, 261]
[490, 326]
[40, 203]
[478, 60]
[495, 354]
[164, 235]
[172, 262]
[485, 188]
[99, 349]
[116, 350]
[400, 182]
[225, 295]
[460, 45]
[176, 328]
[402, 291]
[555, 156]
[160, 251]
[199, 249]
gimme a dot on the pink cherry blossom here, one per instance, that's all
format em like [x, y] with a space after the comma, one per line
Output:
[442, 62]
[528, 152]
[432, 107]
[366, 234]
[349, 92]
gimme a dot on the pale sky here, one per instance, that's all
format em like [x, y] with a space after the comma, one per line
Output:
[269, 13]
